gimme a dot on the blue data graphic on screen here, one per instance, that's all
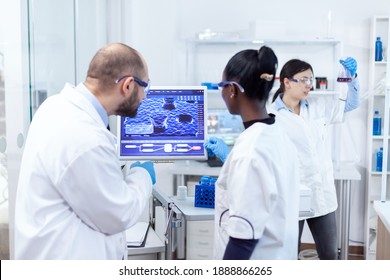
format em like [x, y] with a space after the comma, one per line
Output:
[170, 124]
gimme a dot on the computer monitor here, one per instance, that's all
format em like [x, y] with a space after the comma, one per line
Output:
[170, 125]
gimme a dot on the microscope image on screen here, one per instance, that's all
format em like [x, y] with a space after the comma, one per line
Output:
[164, 116]
[170, 123]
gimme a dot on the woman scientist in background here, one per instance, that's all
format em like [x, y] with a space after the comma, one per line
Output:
[257, 192]
[305, 120]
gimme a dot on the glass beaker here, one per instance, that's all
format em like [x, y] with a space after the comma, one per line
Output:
[344, 76]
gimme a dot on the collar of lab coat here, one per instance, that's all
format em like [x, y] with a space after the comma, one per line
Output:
[79, 100]
[94, 101]
[279, 104]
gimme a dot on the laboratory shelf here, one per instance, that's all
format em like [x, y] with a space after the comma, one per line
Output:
[378, 173]
[377, 182]
[324, 92]
[234, 41]
[313, 92]
[378, 137]
[374, 198]
[201, 53]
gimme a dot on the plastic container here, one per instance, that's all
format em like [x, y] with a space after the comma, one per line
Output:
[379, 159]
[321, 83]
[181, 192]
[212, 181]
[377, 124]
[205, 193]
[378, 49]
[204, 180]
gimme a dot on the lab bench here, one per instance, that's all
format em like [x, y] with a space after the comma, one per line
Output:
[383, 230]
[189, 230]
[344, 174]
[154, 248]
[197, 231]
[180, 169]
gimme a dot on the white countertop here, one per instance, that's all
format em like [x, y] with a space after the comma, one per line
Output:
[193, 167]
[383, 210]
[346, 171]
[153, 244]
[342, 170]
[193, 213]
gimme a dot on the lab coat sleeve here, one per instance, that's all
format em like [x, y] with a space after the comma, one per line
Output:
[252, 199]
[335, 109]
[239, 249]
[353, 95]
[94, 187]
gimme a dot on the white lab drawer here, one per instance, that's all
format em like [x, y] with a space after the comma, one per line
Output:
[200, 241]
[199, 254]
[205, 228]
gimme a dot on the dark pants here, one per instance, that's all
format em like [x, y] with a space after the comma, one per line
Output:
[324, 231]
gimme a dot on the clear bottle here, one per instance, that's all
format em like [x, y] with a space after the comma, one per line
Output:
[377, 124]
[378, 49]
[344, 76]
[379, 159]
[181, 192]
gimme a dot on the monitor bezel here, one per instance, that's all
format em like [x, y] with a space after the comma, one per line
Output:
[169, 158]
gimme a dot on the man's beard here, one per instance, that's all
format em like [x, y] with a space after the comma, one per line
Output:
[129, 107]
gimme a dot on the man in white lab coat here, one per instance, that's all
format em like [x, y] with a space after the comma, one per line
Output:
[73, 201]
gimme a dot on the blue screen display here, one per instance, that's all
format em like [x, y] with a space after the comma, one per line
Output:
[170, 124]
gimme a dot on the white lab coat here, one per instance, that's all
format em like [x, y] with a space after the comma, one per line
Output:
[257, 194]
[309, 133]
[73, 201]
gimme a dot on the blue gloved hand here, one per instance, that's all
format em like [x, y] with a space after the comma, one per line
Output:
[216, 146]
[350, 64]
[149, 166]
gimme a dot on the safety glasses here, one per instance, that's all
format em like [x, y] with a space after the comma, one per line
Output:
[145, 85]
[224, 84]
[303, 81]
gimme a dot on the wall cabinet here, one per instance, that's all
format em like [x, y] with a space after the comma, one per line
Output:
[379, 100]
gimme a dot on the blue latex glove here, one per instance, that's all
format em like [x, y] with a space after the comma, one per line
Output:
[149, 166]
[350, 64]
[216, 146]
